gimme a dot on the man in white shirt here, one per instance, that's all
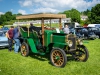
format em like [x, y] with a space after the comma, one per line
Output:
[66, 29]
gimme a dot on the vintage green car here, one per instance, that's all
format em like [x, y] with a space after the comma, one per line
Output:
[51, 41]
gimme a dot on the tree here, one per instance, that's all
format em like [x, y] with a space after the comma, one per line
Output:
[7, 18]
[2, 19]
[73, 14]
[19, 14]
[86, 12]
[14, 17]
[8, 15]
[95, 14]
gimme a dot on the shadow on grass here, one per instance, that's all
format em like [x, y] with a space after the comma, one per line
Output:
[40, 57]
[47, 57]
[69, 58]
[3, 48]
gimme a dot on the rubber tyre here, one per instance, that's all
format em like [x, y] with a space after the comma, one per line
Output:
[24, 49]
[58, 57]
[82, 54]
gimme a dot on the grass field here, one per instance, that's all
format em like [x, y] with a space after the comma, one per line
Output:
[15, 64]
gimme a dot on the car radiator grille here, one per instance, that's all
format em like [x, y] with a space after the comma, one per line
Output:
[73, 39]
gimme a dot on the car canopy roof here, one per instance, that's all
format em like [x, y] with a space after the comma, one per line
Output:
[40, 16]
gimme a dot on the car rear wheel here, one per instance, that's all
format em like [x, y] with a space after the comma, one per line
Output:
[24, 49]
[58, 57]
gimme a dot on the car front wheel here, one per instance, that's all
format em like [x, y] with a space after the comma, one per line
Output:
[58, 57]
[81, 54]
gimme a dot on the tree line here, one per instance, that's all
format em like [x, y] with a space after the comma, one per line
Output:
[93, 16]
[8, 18]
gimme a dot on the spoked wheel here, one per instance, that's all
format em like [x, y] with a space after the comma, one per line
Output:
[58, 57]
[81, 54]
[24, 49]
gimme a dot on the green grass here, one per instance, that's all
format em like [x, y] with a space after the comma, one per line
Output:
[15, 64]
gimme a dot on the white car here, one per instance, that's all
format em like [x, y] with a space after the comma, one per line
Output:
[3, 40]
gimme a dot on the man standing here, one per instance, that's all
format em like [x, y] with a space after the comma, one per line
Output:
[16, 39]
[10, 37]
[66, 29]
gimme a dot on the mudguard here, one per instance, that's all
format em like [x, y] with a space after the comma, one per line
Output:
[32, 45]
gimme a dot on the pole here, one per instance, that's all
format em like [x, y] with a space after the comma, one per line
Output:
[42, 21]
[60, 25]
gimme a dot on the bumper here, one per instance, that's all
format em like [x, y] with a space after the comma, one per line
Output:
[4, 45]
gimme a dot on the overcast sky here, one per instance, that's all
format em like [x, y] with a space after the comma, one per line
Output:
[43, 6]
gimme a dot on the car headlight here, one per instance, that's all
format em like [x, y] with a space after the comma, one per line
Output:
[70, 43]
[80, 41]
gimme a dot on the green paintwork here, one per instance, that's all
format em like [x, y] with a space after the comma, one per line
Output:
[51, 39]
[57, 39]
[57, 57]
[25, 33]
[47, 36]
[32, 45]
[33, 40]
[59, 45]
[32, 34]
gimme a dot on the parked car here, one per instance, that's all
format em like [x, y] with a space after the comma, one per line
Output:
[93, 32]
[4, 29]
[3, 40]
[85, 33]
[97, 32]
[72, 30]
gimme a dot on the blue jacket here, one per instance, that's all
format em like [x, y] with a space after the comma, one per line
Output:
[16, 33]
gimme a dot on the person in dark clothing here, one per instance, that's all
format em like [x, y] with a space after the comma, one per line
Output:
[32, 27]
[37, 29]
[16, 39]
[10, 38]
